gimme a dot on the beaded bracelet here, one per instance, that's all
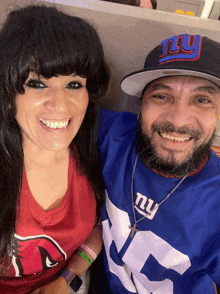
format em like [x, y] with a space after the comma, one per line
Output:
[84, 255]
[88, 250]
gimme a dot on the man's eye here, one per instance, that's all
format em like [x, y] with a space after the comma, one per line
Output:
[74, 85]
[36, 84]
[203, 100]
[159, 97]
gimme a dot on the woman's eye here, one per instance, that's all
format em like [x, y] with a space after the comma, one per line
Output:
[36, 84]
[74, 85]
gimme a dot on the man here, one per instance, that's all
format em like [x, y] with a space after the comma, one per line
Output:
[161, 221]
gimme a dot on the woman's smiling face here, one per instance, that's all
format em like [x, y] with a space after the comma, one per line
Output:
[51, 111]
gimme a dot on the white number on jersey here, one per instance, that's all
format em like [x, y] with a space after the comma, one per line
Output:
[141, 247]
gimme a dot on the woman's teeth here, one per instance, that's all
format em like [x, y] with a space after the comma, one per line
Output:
[55, 124]
[176, 139]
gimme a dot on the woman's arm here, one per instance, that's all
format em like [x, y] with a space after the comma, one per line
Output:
[77, 265]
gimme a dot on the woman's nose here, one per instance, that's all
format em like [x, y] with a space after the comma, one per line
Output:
[57, 101]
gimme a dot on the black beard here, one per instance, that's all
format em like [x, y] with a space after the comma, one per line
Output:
[148, 154]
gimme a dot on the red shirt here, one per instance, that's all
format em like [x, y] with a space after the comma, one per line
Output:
[45, 240]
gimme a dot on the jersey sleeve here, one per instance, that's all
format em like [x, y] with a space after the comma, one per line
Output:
[115, 126]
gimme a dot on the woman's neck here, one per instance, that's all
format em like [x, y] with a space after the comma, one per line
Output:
[34, 155]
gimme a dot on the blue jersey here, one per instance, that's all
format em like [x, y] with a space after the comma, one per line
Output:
[177, 247]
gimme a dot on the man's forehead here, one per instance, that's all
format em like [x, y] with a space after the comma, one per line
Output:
[170, 81]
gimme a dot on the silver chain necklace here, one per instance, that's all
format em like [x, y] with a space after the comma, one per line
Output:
[133, 228]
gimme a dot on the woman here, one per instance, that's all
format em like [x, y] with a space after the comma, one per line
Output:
[52, 77]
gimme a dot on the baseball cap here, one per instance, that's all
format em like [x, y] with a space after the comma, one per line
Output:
[191, 55]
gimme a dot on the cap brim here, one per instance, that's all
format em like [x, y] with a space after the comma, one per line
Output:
[135, 83]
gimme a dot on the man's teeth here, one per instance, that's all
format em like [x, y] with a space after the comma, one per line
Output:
[176, 139]
[55, 124]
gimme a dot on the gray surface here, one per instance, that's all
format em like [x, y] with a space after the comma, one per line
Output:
[215, 12]
[129, 33]
[195, 6]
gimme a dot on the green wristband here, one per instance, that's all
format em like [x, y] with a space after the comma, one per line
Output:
[84, 255]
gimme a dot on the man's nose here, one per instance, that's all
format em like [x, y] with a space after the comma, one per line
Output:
[180, 114]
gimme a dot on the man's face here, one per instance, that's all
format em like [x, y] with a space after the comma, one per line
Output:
[179, 115]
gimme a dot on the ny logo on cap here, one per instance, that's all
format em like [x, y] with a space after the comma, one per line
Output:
[183, 47]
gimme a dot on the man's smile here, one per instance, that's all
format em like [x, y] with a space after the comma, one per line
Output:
[175, 138]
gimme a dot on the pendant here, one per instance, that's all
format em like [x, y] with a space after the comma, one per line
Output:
[133, 229]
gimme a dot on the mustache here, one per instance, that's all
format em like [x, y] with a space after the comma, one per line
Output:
[170, 128]
[147, 152]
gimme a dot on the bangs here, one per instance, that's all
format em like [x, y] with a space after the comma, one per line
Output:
[53, 46]
[63, 50]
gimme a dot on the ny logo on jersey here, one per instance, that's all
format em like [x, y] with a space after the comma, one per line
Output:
[183, 47]
[145, 207]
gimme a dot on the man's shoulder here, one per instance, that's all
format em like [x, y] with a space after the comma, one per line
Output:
[117, 124]
[209, 175]
[111, 116]
[214, 161]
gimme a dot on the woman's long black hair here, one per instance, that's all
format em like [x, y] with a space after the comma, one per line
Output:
[50, 43]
